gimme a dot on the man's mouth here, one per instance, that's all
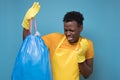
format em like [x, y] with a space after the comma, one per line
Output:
[69, 38]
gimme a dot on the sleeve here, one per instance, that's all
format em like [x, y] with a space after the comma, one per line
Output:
[47, 39]
[90, 51]
[51, 39]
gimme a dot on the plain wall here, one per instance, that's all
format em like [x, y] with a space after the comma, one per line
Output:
[101, 25]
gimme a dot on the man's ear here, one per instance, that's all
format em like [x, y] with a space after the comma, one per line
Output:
[81, 28]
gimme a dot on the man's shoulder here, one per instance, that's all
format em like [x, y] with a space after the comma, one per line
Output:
[89, 40]
[55, 35]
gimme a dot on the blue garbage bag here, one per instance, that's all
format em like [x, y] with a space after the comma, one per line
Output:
[32, 61]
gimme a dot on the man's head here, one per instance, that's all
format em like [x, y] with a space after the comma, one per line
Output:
[73, 25]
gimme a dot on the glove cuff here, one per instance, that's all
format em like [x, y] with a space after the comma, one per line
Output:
[26, 24]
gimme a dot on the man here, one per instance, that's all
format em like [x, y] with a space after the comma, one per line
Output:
[70, 53]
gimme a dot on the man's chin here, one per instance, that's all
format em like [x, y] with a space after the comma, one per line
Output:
[71, 41]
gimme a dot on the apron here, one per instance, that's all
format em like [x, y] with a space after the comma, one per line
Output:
[65, 64]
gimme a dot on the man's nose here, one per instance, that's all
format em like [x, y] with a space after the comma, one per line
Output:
[68, 33]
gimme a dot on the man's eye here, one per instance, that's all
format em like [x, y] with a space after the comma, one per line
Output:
[65, 30]
[71, 30]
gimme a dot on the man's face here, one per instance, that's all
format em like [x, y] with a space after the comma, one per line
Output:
[72, 31]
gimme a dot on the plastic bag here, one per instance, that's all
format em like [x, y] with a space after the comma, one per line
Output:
[32, 62]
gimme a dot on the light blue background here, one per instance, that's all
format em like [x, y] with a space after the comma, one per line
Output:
[101, 25]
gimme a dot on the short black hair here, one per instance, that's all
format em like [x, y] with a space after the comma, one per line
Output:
[74, 16]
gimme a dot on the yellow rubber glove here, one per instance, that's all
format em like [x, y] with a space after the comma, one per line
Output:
[31, 13]
[83, 49]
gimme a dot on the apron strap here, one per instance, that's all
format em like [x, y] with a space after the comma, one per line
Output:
[77, 46]
[61, 42]
[78, 43]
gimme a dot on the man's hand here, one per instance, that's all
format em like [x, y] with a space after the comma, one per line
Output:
[83, 49]
[31, 13]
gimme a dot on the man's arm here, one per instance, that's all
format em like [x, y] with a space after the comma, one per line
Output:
[25, 33]
[86, 67]
[30, 14]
